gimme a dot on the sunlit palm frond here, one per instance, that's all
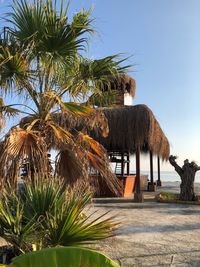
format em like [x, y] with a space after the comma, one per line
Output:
[6, 111]
[46, 24]
[60, 135]
[91, 144]
[53, 134]
[74, 108]
[77, 109]
[13, 68]
[82, 23]
[104, 99]
[87, 75]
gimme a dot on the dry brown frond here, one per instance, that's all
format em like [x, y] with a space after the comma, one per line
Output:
[104, 174]
[71, 166]
[22, 144]
[90, 143]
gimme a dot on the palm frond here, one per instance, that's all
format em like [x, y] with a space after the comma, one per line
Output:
[47, 26]
[6, 111]
[86, 75]
[91, 143]
[71, 166]
[23, 144]
[14, 68]
[67, 227]
[63, 136]
[104, 99]
[12, 227]
[75, 108]
[104, 173]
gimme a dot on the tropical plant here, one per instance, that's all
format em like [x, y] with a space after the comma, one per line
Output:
[42, 60]
[45, 215]
[64, 257]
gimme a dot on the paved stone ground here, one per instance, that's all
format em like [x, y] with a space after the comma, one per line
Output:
[152, 233]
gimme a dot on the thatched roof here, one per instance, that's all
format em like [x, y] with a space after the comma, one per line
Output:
[131, 127]
[123, 83]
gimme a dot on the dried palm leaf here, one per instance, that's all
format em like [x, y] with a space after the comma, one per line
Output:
[23, 144]
[70, 165]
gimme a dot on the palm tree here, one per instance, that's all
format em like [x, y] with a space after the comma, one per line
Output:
[42, 60]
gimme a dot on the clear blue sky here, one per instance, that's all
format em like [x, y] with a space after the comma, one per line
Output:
[163, 37]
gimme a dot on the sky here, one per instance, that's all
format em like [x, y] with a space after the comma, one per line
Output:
[163, 39]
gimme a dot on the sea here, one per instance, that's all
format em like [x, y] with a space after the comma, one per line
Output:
[167, 176]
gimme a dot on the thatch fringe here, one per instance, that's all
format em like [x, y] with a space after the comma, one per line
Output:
[131, 127]
[123, 83]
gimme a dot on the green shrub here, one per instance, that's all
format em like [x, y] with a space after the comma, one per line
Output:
[45, 215]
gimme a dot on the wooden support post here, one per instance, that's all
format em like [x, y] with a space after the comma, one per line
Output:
[151, 185]
[122, 164]
[159, 183]
[151, 167]
[138, 195]
[128, 164]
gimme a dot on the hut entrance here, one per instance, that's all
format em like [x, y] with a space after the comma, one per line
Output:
[121, 166]
[122, 163]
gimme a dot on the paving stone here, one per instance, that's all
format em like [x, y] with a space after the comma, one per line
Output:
[152, 233]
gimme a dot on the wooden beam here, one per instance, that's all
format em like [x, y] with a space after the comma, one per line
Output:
[138, 194]
[122, 164]
[158, 168]
[159, 183]
[151, 167]
[137, 180]
[128, 164]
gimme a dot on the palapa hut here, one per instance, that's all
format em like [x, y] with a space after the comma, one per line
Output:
[132, 130]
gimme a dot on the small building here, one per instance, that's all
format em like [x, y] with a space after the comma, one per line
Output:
[133, 130]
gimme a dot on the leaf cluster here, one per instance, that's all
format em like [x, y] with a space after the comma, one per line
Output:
[43, 215]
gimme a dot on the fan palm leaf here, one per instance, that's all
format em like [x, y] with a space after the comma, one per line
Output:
[48, 27]
[23, 144]
[14, 65]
